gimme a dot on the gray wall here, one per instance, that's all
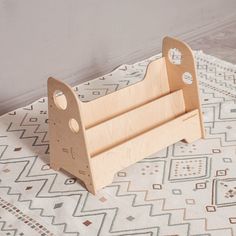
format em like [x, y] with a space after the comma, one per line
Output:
[78, 40]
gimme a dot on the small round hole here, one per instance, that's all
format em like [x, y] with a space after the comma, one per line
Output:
[187, 78]
[74, 126]
[60, 100]
[175, 56]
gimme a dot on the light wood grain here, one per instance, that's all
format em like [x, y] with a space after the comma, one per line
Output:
[154, 85]
[175, 73]
[68, 150]
[132, 123]
[96, 139]
[127, 153]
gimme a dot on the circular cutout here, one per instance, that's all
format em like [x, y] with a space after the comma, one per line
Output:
[60, 100]
[187, 78]
[74, 126]
[175, 56]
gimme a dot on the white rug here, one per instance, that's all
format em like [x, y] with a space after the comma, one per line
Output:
[186, 189]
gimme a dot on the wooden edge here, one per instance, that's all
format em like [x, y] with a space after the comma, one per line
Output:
[149, 70]
[175, 73]
[131, 124]
[154, 85]
[185, 126]
[64, 136]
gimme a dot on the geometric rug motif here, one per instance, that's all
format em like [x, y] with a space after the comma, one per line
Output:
[225, 192]
[188, 169]
[184, 189]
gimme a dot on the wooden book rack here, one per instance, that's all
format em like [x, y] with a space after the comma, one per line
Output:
[94, 140]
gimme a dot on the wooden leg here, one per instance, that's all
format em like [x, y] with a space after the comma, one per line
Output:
[98, 182]
[54, 167]
[192, 137]
[90, 188]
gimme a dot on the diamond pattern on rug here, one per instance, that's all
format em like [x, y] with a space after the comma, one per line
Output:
[185, 189]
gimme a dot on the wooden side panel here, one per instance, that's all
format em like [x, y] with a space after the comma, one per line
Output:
[68, 149]
[176, 72]
[106, 164]
[154, 85]
[134, 122]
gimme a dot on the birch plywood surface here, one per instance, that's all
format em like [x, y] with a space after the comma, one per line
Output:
[151, 104]
[181, 190]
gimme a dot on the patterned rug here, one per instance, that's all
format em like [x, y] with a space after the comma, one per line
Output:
[185, 189]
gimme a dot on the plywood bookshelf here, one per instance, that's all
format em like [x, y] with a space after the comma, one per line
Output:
[94, 140]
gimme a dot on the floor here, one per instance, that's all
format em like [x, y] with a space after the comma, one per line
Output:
[185, 189]
[221, 43]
